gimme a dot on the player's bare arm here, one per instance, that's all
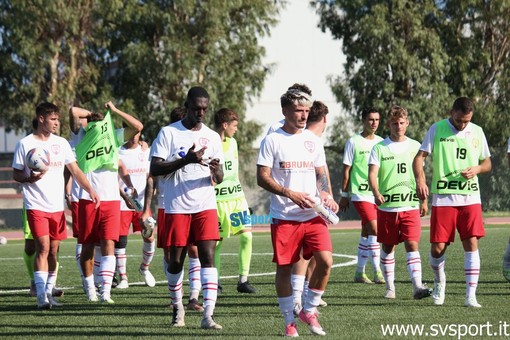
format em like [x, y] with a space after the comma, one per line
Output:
[419, 175]
[344, 200]
[323, 185]
[265, 181]
[373, 174]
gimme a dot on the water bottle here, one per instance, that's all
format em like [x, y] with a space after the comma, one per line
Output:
[149, 225]
[134, 201]
[327, 214]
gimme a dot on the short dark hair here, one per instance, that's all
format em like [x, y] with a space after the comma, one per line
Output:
[177, 114]
[45, 108]
[196, 92]
[464, 105]
[368, 110]
[317, 112]
[224, 115]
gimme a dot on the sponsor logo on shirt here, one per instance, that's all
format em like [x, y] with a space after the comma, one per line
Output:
[228, 190]
[457, 185]
[389, 158]
[448, 140]
[402, 197]
[296, 165]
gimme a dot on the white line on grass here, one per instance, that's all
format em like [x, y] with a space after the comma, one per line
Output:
[353, 261]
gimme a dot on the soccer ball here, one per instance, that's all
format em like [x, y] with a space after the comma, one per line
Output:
[38, 159]
[3, 240]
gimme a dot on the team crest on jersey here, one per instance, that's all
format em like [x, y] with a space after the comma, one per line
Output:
[310, 146]
[203, 141]
[141, 156]
[475, 142]
[55, 148]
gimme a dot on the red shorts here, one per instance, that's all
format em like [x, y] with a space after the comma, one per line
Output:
[98, 224]
[127, 218]
[290, 237]
[367, 211]
[396, 227]
[74, 216]
[161, 220]
[43, 223]
[467, 219]
[182, 229]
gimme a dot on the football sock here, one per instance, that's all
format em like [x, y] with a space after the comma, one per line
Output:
[388, 269]
[175, 286]
[106, 272]
[437, 266]
[194, 278]
[414, 268]
[50, 282]
[245, 249]
[40, 279]
[209, 278]
[374, 252]
[286, 307]
[77, 253]
[297, 282]
[472, 271]
[312, 300]
[147, 254]
[362, 254]
[120, 255]
[305, 291]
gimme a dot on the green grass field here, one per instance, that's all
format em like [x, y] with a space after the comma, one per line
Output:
[354, 311]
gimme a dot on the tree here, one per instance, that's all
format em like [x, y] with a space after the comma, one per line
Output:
[422, 55]
[145, 54]
[162, 48]
[50, 51]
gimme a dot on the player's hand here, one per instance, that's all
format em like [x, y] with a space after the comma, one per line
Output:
[328, 201]
[424, 208]
[469, 173]
[379, 199]
[195, 156]
[35, 176]
[301, 199]
[109, 105]
[343, 204]
[422, 190]
[95, 198]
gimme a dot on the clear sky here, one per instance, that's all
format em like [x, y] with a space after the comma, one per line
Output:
[302, 53]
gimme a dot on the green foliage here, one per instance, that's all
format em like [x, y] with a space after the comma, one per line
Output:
[422, 55]
[145, 54]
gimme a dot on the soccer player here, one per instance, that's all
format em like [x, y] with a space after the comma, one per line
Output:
[98, 157]
[233, 212]
[157, 183]
[459, 153]
[190, 155]
[134, 154]
[399, 209]
[355, 177]
[506, 256]
[303, 269]
[291, 166]
[43, 196]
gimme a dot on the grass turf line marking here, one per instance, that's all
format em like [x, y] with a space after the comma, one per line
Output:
[353, 261]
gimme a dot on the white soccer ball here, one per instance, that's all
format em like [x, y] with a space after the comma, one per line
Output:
[38, 159]
[3, 240]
